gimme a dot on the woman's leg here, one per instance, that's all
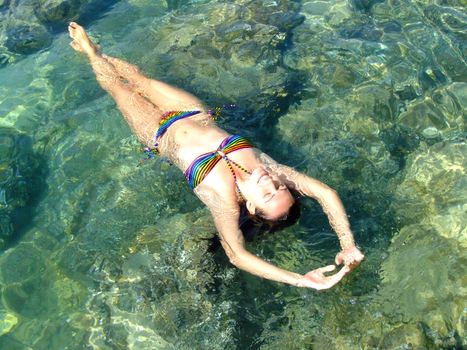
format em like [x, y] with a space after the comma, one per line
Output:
[164, 96]
[142, 116]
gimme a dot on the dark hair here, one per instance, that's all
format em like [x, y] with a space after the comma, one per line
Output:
[254, 224]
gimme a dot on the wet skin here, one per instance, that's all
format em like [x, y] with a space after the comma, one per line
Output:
[143, 101]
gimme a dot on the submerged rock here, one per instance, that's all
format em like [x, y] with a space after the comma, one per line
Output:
[433, 294]
[418, 303]
[28, 262]
[286, 21]
[365, 5]
[433, 182]
[227, 59]
[340, 142]
[7, 322]
[163, 286]
[27, 26]
[58, 11]
[27, 38]
[4, 3]
[419, 300]
[21, 181]
[423, 114]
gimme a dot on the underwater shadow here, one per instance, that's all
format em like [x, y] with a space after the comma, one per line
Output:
[22, 173]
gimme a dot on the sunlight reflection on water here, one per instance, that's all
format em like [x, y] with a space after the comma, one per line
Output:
[367, 96]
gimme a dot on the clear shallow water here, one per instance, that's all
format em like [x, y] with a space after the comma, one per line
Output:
[366, 96]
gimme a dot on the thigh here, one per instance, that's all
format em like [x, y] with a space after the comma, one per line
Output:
[171, 98]
[142, 116]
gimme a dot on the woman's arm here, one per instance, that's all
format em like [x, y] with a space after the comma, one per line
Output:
[329, 201]
[234, 245]
[226, 218]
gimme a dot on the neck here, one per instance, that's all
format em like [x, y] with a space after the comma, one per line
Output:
[241, 186]
[239, 172]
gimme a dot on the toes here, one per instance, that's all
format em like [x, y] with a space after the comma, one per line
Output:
[74, 28]
[76, 46]
[72, 31]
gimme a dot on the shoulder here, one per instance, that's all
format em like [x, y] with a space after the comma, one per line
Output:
[284, 172]
[217, 199]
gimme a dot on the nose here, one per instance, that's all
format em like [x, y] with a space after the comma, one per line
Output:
[277, 184]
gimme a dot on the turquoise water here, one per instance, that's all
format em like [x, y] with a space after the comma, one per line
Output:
[367, 96]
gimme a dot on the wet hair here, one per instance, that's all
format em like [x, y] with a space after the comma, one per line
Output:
[254, 225]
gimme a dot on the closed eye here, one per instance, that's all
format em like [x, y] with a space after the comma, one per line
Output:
[269, 196]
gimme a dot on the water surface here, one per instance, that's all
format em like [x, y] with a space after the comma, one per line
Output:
[367, 96]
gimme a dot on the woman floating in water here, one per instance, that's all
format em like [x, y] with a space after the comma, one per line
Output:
[225, 171]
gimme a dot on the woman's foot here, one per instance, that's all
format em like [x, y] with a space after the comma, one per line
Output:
[81, 41]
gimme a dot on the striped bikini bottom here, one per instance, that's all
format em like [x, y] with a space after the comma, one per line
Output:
[165, 123]
[168, 119]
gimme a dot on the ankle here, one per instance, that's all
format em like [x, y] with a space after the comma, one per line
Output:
[94, 57]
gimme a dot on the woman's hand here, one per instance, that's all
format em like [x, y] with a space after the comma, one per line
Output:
[351, 257]
[317, 280]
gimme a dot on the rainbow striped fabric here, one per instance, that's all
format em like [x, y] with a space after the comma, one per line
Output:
[171, 117]
[203, 164]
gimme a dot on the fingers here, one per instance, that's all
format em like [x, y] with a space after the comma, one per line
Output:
[334, 279]
[331, 281]
[338, 259]
[339, 275]
[354, 260]
[328, 268]
[344, 270]
[351, 258]
[317, 280]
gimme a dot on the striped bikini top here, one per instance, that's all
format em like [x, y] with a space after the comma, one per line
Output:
[203, 164]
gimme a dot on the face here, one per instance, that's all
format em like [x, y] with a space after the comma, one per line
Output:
[266, 192]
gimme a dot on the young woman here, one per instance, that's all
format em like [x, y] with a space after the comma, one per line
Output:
[223, 170]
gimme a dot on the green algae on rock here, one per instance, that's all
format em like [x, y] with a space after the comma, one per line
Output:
[21, 182]
[413, 132]
[367, 96]
[27, 38]
[25, 24]
[166, 264]
[433, 182]
[195, 53]
[7, 322]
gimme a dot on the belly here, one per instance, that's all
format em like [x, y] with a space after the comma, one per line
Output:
[194, 137]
